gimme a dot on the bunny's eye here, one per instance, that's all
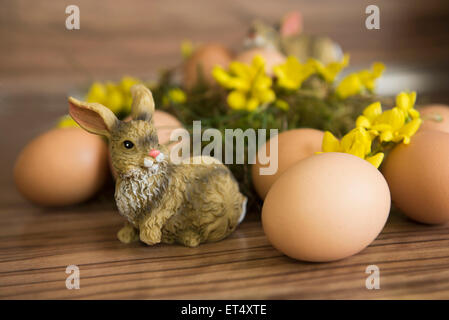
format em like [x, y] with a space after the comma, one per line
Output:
[128, 144]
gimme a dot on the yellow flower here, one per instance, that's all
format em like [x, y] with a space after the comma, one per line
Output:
[186, 49]
[66, 122]
[127, 82]
[97, 93]
[250, 86]
[349, 86]
[392, 125]
[331, 70]
[368, 77]
[388, 123]
[330, 143]
[406, 102]
[177, 95]
[396, 125]
[356, 142]
[115, 95]
[376, 160]
[124, 89]
[293, 73]
[356, 83]
[115, 98]
[282, 104]
[407, 131]
[369, 115]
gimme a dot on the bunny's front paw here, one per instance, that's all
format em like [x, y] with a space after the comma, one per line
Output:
[151, 226]
[151, 236]
[128, 234]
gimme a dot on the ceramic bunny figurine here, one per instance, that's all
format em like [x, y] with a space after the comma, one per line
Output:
[289, 39]
[163, 202]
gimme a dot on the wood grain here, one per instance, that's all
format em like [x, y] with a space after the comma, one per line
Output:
[40, 62]
[36, 248]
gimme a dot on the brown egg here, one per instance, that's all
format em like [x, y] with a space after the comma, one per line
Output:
[204, 59]
[418, 176]
[435, 117]
[326, 207]
[61, 167]
[165, 123]
[272, 58]
[293, 146]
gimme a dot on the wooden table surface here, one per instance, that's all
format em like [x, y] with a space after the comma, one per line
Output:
[40, 62]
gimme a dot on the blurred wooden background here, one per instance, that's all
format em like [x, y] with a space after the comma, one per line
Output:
[41, 61]
[138, 37]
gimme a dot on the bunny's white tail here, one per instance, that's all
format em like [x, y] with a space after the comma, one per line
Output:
[243, 212]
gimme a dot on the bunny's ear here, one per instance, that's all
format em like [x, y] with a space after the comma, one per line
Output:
[291, 24]
[93, 117]
[143, 103]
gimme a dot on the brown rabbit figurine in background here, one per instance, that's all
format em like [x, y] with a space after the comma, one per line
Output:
[163, 202]
[289, 38]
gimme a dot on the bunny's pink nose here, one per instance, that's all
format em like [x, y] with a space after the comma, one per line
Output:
[154, 153]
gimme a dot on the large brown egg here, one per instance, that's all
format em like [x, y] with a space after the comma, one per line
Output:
[165, 124]
[418, 176]
[272, 57]
[293, 146]
[61, 167]
[203, 60]
[326, 207]
[435, 117]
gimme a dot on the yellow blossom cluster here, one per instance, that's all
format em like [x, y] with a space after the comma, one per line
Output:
[357, 142]
[396, 125]
[251, 87]
[249, 84]
[358, 82]
[174, 95]
[291, 74]
[115, 96]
